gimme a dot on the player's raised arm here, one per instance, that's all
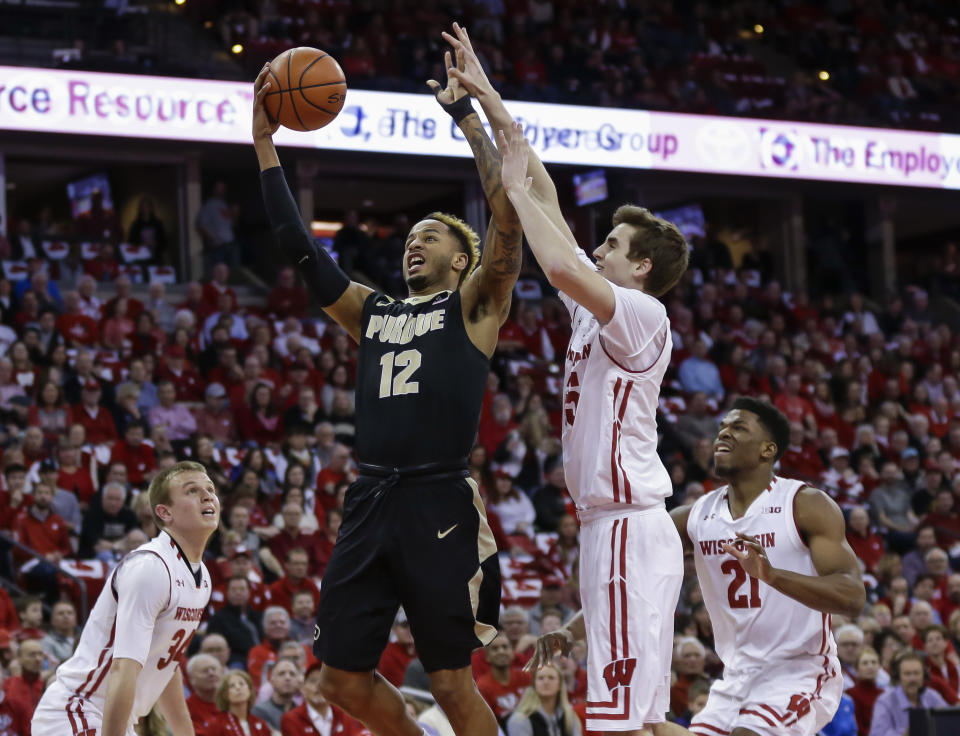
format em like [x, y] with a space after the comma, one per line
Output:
[561, 264]
[471, 76]
[340, 297]
[838, 586]
[492, 283]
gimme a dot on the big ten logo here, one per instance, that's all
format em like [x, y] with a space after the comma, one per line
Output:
[619, 673]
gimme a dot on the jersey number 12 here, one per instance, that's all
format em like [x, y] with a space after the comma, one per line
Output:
[734, 596]
[399, 383]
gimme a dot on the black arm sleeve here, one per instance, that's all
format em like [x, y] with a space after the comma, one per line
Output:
[323, 276]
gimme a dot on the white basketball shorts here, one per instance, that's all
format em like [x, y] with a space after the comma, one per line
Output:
[631, 570]
[794, 697]
[61, 713]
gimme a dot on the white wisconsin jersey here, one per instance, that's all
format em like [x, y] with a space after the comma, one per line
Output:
[753, 624]
[148, 611]
[612, 381]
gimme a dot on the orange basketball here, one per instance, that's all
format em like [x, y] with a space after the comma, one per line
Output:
[307, 89]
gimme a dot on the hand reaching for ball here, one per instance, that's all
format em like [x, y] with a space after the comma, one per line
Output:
[263, 126]
[468, 72]
[453, 91]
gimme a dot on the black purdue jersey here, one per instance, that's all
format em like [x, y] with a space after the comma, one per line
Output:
[420, 382]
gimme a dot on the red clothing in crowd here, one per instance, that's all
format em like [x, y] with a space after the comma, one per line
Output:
[394, 661]
[188, 383]
[869, 549]
[263, 654]
[296, 722]
[80, 481]
[203, 713]
[8, 612]
[945, 681]
[139, 461]
[98, 424]
[801, 462]
[211, 296]
[26, 689]
[946, 526]
[259, 596]
[501, 698]
[14, 716]
[229, 725]
[78, 328]
[796, 408]
[283, 590]
[324, 553]
[46, 536]
[288, 302]
[283, 542]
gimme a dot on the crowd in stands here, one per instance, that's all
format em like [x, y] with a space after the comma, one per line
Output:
[97, 393]
[888, 63]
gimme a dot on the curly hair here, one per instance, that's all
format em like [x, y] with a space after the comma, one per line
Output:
[465, 235]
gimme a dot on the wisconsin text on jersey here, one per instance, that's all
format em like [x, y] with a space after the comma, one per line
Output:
[715, 546]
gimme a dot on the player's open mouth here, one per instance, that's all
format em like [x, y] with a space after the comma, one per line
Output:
[414, 262]
[210, 511]
[721, 448]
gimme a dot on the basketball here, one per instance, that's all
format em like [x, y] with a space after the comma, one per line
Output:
[307, 89]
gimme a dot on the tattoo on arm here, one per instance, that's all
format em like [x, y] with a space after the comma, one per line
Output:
[489, 162]
[502, 251]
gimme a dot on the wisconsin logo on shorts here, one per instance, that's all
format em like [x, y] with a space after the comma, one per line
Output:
[619, 673]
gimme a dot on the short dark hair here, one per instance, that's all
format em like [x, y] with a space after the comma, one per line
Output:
[13, 468]
[909, 655]
[925, 576]
[660, 241]
[771, 419]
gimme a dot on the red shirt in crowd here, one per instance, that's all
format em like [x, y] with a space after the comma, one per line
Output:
[296, 722]
[283, 590]
[801, 462]
[229, 725]
[139, 461]
[288, 302]
[203, 713]
[394, 661]
[869, 549]
[26, 689]
[945, 681]
[502, 699]
[8, 612]
[78, 328]
[283, 542]
[14, 716]
[99, 424]
[188, 383]
[46, 536]
[864, 694]
[80, 481]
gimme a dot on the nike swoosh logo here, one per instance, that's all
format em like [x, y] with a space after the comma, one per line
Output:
[441, 535]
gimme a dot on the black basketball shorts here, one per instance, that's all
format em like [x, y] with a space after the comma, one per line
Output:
[421, 543]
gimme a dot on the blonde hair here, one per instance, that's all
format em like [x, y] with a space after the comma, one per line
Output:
[159, 491]
[530, 702]
[220, 698]
[465, 235]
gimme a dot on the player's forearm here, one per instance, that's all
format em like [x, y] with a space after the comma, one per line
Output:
[499, 118]
[840, 592]
[551, 249]
[173, 706]
[324, 277]
[121, 687]
[489, 162]
[266, 152]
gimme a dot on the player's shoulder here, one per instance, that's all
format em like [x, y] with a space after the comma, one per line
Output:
[639, 298]
[813, 508]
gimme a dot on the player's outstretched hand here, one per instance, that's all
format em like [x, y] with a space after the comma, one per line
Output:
[516, 153]
[454, 90]
[471, 74]
[753, 558]
[547, 646]
[263, 126]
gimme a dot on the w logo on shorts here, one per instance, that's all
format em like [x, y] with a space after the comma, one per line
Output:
[619, 673]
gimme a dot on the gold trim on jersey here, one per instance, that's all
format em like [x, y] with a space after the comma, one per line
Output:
[425, 297]
[486, 547]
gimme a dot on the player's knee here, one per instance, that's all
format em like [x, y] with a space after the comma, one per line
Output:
[346, 690]
[449, 690]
